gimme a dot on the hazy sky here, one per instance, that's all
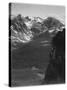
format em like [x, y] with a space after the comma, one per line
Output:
[38, 10]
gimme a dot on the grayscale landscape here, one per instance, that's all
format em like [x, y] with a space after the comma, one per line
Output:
[31, 41]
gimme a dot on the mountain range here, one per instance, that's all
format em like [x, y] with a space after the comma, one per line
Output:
[25, 29]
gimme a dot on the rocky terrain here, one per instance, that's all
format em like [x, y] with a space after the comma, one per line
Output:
[30, 39]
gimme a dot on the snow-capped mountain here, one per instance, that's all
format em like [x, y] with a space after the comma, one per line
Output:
[29, 24]
[30, 21]
[38, 19]
[25, 28]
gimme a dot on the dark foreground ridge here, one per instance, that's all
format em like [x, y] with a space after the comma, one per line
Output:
[55, 72]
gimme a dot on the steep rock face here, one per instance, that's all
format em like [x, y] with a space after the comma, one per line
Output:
[52, 23]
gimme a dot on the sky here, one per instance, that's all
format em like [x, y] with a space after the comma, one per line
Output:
[35, 10]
